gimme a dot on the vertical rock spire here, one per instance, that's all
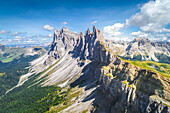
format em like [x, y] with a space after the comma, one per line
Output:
[87, 32]
[94, 29]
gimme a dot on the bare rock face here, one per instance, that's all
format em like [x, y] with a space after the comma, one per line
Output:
[86, 61]
[63, 42]
[89, 46]
[85, 47]
[132, 90]
[142, 49]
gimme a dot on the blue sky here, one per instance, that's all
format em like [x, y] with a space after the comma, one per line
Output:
[24, 21]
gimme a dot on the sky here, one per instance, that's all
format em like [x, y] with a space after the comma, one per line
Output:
[34, 21]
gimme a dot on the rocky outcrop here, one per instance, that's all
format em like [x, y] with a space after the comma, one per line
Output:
[133, 90]
[120, 87]
[90, 46]
[63, 42]
[142, 49]
[117, 97]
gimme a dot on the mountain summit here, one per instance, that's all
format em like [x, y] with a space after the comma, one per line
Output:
[95, 79]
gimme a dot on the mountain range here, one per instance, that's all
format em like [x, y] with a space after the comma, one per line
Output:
[142, 49]
[91, 74]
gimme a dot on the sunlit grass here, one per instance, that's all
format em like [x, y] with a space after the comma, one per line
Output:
[1, 74]
[10, 58]
[161, 68]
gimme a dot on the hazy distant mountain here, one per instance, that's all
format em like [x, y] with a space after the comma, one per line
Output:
[142, 49]
[2, 47]
[14, 62]
[89, 78]
[7, 54]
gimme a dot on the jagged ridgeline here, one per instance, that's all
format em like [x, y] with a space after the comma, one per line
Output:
[141, 49]
[81, 74]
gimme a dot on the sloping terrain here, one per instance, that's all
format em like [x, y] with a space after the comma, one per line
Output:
[87, 76]
[8, 54]
[161, 68]
[14, 63]
[142, 49]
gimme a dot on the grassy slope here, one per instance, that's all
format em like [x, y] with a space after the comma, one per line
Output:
[1, 74]
[41, 99]
[10, 58]
[161, 68]
[12, 65]
[35, 99]
[11, 71]
[9, 54]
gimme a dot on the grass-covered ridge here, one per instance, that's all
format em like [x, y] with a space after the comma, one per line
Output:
[9, 54]
[161, 68]
[10, 57]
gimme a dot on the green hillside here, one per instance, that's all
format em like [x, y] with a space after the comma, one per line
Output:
[161, 68]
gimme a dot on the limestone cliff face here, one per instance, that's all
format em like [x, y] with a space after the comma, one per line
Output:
[132, 89]
[63, 42]
[90, 46]
[85, 47]
[85, 60]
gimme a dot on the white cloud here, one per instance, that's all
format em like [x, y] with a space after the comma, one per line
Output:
[9, 40]
[153, 16]
[18, 33]
[50, 35]
[48, 27]
[164, 38]
[42, 36]
[4, 32]
[113, 30]
[14, 34]
[122, 39]
[44, 39]
[94, 22]
[18, 37]
[139, 34]
[30, 41]
[64, 23]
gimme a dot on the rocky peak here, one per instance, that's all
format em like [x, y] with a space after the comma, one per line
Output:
[141, 40]
[57, 32]
[87, 47]
[63, 41]
[87, 32]
[64, 29]
[122, 86]
[95, 36]
[81, 33]
[94, 29]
